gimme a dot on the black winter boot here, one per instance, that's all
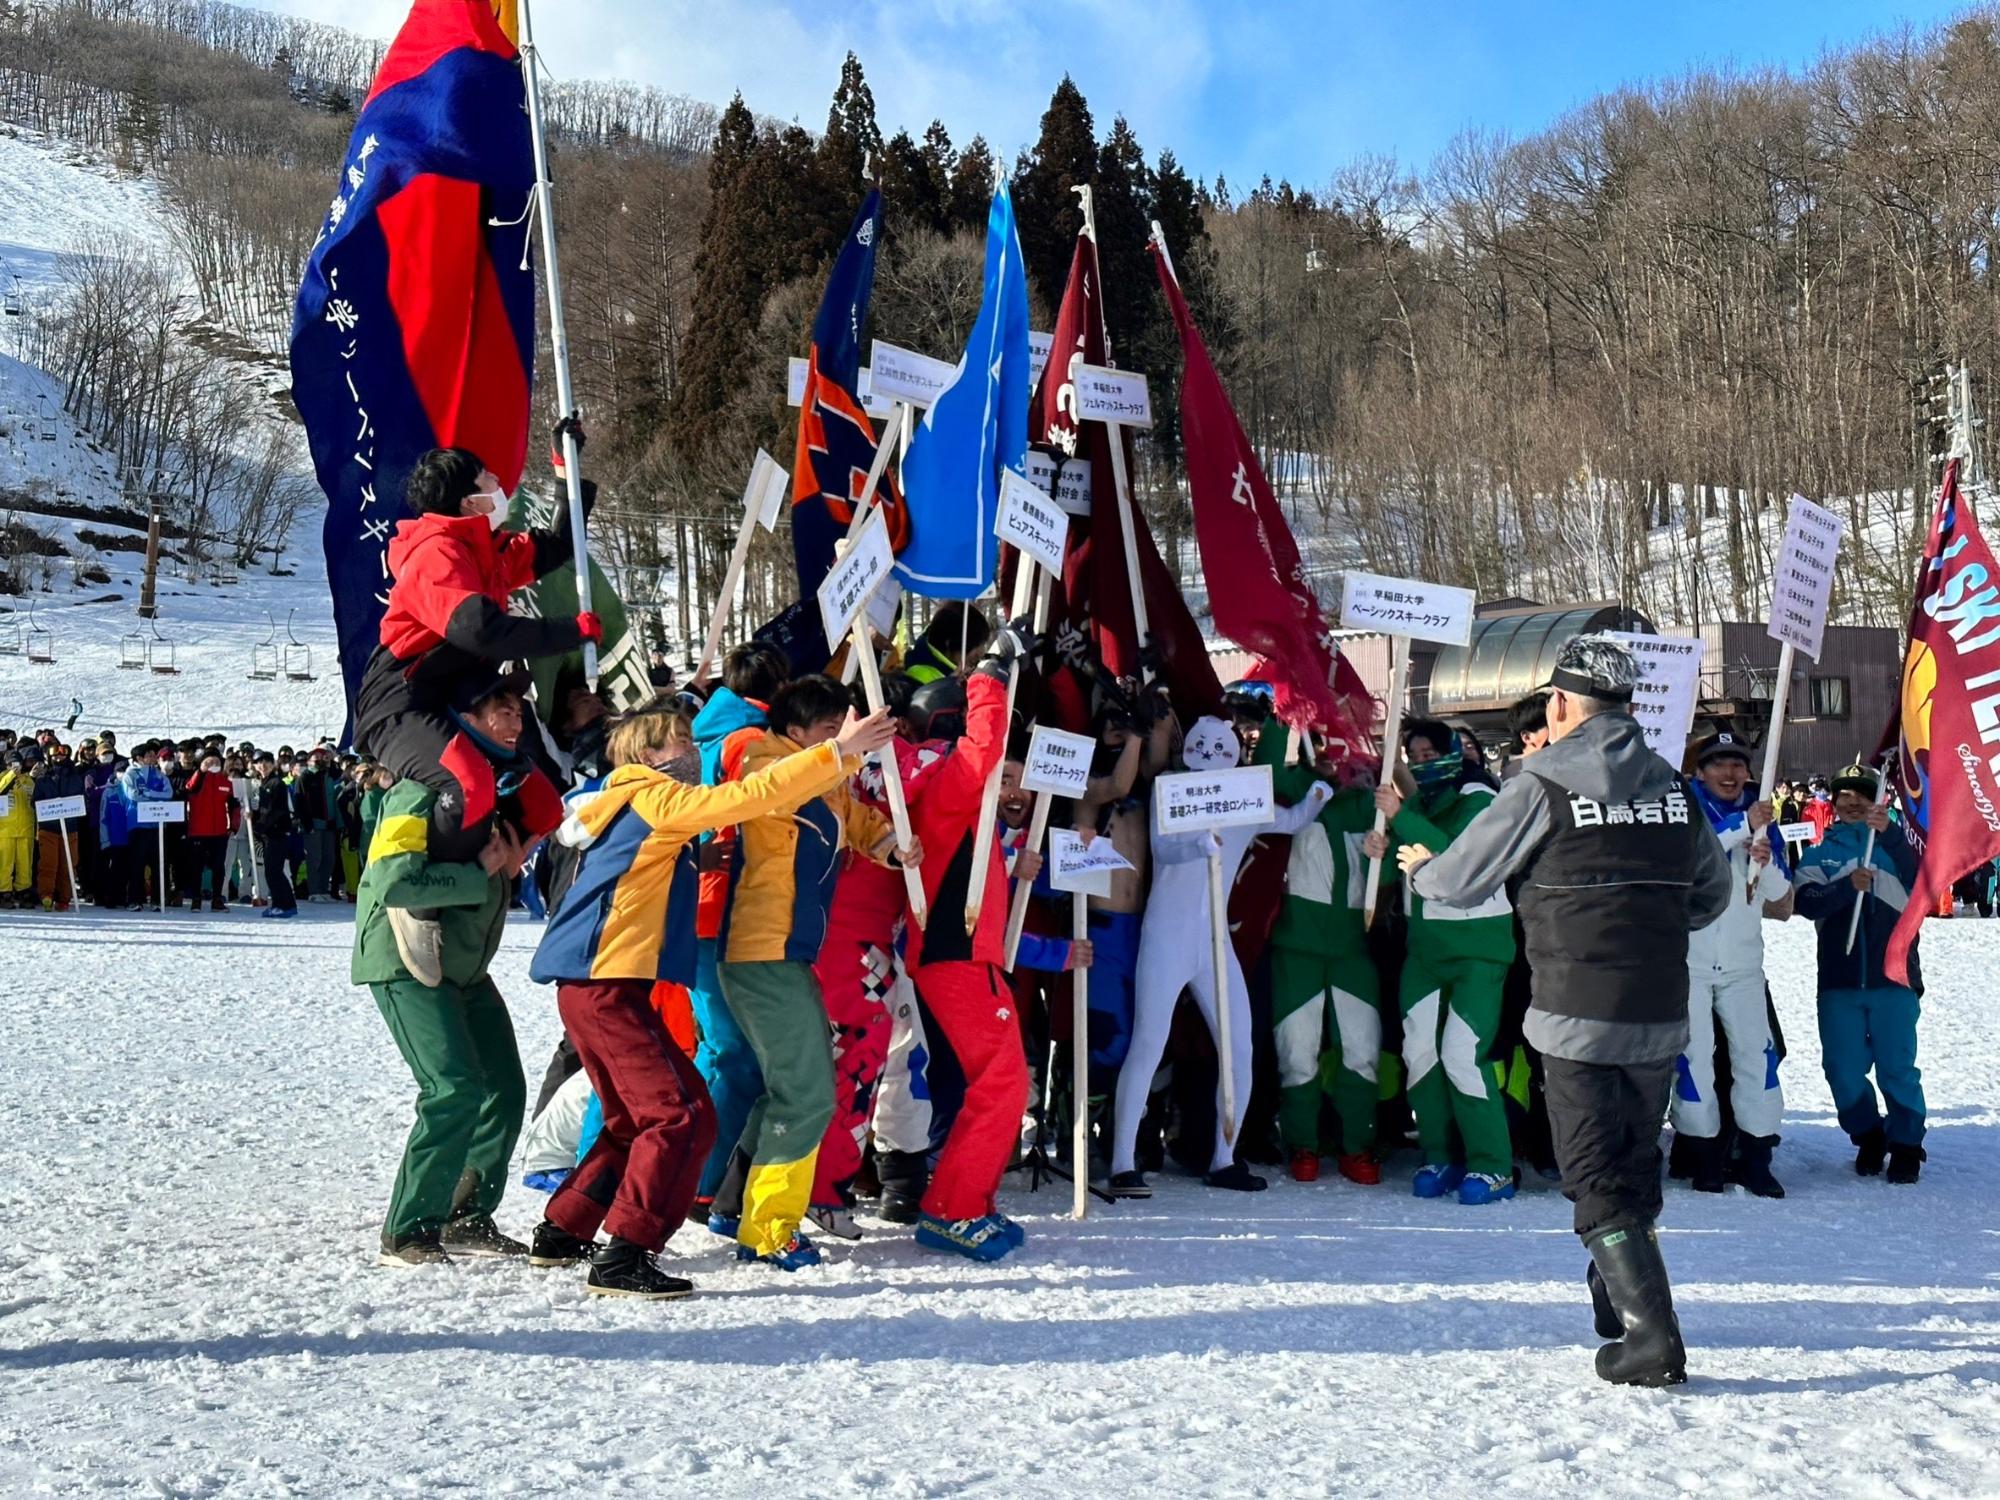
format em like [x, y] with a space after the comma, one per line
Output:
[555, 1246]
[1603, 1315]
[1680, 1158]
[619, 1268]
[1635, 1284]
[1869, 1150]
[1753, 1165]
[1705, 1163]
[1905, 1162]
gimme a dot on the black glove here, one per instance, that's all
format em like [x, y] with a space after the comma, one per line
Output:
[1152, 661]
[1149, 706]
[571, 424]
[1015, 642]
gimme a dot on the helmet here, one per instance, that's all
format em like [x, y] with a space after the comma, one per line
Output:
[937, 709]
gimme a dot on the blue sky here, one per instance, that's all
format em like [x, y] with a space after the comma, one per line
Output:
[1291, 88]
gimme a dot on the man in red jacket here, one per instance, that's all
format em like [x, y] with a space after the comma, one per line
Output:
[211, 818]
[960, 977]
[455, 567]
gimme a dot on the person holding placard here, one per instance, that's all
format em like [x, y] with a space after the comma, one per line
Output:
[1726, 984]
[56, 851]
[17, 833]
[149, 779]
[1453, 982]
[1324, 987]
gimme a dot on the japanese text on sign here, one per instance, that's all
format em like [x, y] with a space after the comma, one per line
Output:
[901, 374]
[1797, 833]
[1030, 520]
[872, 401]
[849, 582]
[1068, 486]
[882, 607]
[1080, 867]
[1669, 668]
[1187, 801]
[1058, 762]
[1404, 606]
[1802, 587]
[1039, 345]
[57, 808]
[1118, 396]
[152, 814]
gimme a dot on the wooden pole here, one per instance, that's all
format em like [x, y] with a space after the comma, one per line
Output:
[863, 651]
[718, 618]
[891, 430]
[1079, 1064]
[1038, 821]
[1392, 734]
[1781, 692]
[1218, 932]
[558, 330]
[69, 864]
[989, 799]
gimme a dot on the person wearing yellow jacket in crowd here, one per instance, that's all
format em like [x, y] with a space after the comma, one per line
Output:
[781, 891]
[627, 921]
[17, 834]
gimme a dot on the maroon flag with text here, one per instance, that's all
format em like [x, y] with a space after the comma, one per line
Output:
[1257, 589]
[1094, 594]
[1948, 769]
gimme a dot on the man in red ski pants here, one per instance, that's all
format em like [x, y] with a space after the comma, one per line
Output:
[959, 976]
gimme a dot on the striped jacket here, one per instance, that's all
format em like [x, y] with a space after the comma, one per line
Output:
[471, 905]
[630, 914]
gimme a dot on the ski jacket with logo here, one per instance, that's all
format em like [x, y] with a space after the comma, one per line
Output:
[1445, 930]
[944, 821]
[211, 804]
[1734, 942]
[471, 905]
[1827, 897]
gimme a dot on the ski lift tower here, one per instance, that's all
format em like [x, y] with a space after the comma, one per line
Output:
[1964, 423]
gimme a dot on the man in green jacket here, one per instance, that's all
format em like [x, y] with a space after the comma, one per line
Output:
[1453, 983]
[1320, 970]
[451, 1025]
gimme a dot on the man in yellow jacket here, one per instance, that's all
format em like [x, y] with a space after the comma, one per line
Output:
[781, 891]
[17, 834]
[627, 921]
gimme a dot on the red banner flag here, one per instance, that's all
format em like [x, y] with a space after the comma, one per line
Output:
[1948, 771]
[1094, 594]
[1257, 589]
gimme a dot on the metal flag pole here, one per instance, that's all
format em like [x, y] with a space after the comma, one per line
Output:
[558, 332]
[1882, 790]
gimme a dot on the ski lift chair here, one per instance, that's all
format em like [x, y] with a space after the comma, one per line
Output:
[48, 422]
[264, 655]
[298, 655]
[10, 636]
[132, 652]
[160, 654]
[40, 643]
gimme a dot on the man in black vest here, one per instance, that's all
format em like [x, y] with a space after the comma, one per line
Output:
[1614, 867]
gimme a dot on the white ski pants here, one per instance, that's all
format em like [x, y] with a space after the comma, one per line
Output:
[1736, 1003]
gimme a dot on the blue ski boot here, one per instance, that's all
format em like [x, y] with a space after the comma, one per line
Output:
[976, 1239]
[1484, 1187]
[795, 1255]
[723, 1225]
[1433, 1181]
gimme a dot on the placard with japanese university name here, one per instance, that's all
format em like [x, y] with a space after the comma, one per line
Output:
[882, 607]
[1058, 762]
[1187, 801]
[1039, 345]
[1802, 587]
[1663, 696]
[796, 370]
[1083, 868]
[1117, 396]
[55, 809]
[152, 814]
[1407, 606]
[1068, 486]
[1796, 833]
[1031, 521]
[901, 374]
[872, 401]
[849, 582]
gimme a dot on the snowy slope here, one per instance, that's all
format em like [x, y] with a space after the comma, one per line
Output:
[197, 1165]
[55, 199]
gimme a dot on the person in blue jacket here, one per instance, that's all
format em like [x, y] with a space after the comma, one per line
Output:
[1865, 1020]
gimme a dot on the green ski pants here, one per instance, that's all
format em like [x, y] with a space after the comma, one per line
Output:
[1318, 1059]
[1451, 1013]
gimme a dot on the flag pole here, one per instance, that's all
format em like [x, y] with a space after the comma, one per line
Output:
[1127, 532]
[1882, 791]
[1079, 1064]
[1392, 735]
[989, 797]
[1038, 821]
[558, 331]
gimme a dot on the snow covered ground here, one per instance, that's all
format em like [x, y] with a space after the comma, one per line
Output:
[201, 1119]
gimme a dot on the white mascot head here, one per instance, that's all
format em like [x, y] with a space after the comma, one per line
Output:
[1211, 745]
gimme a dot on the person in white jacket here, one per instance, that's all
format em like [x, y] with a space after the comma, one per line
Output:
[1726, 985]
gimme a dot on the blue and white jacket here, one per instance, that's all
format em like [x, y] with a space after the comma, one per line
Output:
[1826, 898]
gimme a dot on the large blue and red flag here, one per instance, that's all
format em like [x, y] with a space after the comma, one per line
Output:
[415, 324]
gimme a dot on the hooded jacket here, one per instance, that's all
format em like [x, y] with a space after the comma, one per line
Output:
[630, 912]
[1826, 897]
[1734, 942]
[944, 821]
[1615, 867]
[783, 874]
[726, 726]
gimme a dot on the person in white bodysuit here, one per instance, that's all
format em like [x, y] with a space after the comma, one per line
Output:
[1176, 952]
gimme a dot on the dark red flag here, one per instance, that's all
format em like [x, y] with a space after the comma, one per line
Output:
[1257, 590]
[1948, 771]
[1094, 594]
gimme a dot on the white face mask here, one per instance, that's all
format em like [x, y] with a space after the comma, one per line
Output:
[496, 517]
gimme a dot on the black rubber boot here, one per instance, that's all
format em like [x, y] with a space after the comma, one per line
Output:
[1705, 1163]
[1609, 1325]
[1869, 1150]
[1753, 1165]
[1635, 1284]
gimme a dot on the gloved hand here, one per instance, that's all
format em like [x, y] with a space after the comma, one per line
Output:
[1016, 641]
[1149, 706]
[590, 628]
[573, 425]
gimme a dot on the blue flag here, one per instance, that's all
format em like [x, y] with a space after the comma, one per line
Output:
[977, 427]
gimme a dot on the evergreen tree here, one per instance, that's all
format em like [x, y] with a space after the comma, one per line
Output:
[728, 285]
[1065, 156]
[913, 197]
[972, 187]
[852, 137]
[1179, 205]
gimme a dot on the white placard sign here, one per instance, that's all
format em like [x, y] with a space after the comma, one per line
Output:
[6, 804]
[152, 814]
[1058, 762]
[882, 607]
[901, 374]
[1797, 833]
[849, 582]
[1080, 867]
[55, 809]
[1029, 520]
[1117, 396]
[1039, 345]
[1407, 606]
[872, 401]
[1068, 486]
[1186, 801]
[1663, 696]
[1803, 584]
[796, 371]
[764, 492]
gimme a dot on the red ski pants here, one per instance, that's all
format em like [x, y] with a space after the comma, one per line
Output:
[855, 976]
[638, 1181]
[974, 1007]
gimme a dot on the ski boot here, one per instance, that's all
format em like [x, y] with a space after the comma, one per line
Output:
[976, 1239]
[1434, 1180]
[1479, 1188]
[795, 1254]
